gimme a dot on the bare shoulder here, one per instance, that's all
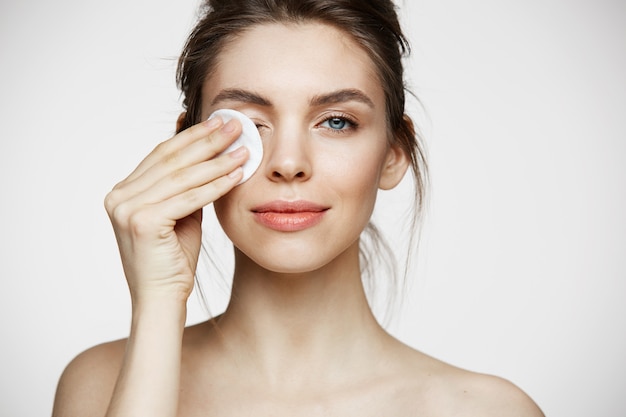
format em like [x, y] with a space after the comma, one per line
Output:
[439, 386]
[487, 395]
[87, 383]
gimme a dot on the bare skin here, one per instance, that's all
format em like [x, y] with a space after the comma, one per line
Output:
[411, 384]
[298, 337]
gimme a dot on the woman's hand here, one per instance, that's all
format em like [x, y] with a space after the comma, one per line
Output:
[157, 211]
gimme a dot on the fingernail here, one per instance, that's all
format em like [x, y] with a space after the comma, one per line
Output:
[238, 153]
[229, 127]
[236, 173]
[213, 122]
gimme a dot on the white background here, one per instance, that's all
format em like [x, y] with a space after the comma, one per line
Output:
[522, 264]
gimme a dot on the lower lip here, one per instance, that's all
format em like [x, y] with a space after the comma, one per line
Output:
[290, 222]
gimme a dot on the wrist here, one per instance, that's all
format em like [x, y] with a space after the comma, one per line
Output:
[148, 383]
[159, 308]
[166, 297]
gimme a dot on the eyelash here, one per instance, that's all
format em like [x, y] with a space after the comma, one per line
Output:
[351, 123]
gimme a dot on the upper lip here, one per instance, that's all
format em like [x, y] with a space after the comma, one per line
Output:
[281, 206]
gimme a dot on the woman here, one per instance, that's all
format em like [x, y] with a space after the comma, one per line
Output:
[322, 80]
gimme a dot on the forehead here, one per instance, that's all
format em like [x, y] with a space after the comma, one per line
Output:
[294, 59]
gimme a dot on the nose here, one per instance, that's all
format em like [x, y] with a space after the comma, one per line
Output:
[287, 156]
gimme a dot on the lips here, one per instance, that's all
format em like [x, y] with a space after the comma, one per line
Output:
[289, 216]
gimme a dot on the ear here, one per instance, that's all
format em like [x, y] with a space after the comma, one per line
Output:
[181, 121]
[394, 168]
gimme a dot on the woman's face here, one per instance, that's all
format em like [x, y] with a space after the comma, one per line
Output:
[320, 109]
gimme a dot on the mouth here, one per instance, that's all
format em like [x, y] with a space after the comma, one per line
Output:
[289, 216]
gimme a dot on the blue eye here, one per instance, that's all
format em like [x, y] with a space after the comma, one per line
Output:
[337, 123]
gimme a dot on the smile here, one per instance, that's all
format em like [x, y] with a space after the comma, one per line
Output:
[287, 216]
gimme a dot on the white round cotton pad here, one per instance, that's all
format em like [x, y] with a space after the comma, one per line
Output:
[249, 138]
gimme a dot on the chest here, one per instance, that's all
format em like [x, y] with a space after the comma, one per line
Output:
[237, 400]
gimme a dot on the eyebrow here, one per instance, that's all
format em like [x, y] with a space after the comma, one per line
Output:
[334, 97]
[342, 96]
[244, 96]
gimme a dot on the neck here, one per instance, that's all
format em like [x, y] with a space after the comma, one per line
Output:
[281, 323]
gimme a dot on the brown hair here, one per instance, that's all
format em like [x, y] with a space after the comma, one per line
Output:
[373, 24]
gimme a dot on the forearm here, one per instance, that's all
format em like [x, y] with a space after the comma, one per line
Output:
[156, 213]
[149, 380]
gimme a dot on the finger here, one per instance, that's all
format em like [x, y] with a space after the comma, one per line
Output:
[172, 159]
[122, 208]
[194, 176]
[177, 142]
[149, 220]
[184, 204]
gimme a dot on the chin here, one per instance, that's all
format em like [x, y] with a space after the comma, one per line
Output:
[290, 265]
[298, 258]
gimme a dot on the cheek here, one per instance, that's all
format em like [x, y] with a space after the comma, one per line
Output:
[353, 178]
[225, 209]
[356, 171]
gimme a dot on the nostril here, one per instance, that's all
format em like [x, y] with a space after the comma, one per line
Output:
[279, 176]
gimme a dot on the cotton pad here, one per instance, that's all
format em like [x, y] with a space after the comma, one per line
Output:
[249, 138]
